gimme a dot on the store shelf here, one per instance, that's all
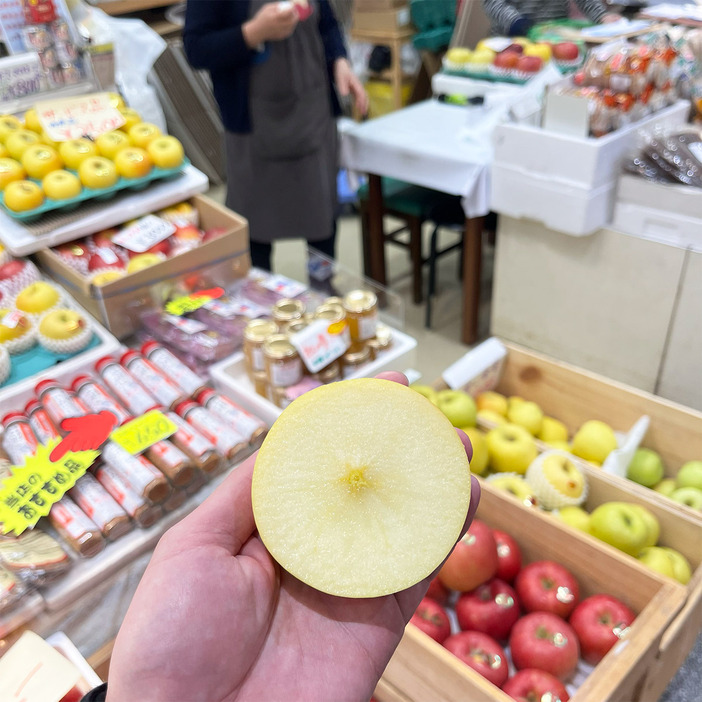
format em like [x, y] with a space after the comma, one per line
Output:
[21, 240]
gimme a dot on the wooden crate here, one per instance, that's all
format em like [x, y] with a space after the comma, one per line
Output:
[422, 669]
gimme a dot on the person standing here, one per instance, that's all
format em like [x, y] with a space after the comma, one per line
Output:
[276, 69]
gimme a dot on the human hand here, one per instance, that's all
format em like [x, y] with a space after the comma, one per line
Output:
[215, 619]
[347, 83]
[84, 433]
[273, 22]
[611, 17]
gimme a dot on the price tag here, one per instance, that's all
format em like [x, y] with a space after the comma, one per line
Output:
[12, 319]
[187, 326]
[231, 307]
[31, 490]
[141, 433]
[189, 303]
[72, 118]
[283, 286]
[320, 343]
[479, 369]
[145, 233]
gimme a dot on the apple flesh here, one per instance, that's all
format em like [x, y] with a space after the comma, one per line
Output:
[357, 520]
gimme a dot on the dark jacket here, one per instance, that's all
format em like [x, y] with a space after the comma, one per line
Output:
[213, 40]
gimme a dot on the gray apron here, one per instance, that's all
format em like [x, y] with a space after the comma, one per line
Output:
[282, 175]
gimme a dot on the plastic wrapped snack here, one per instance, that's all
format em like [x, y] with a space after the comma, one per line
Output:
[34, 556]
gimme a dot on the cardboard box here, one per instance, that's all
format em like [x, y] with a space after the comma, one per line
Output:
[223, 259]
[384, 21]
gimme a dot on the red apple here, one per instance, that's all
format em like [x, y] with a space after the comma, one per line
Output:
[104, 258]
[75, 254]
[600, 621]
[506, 59]
[473, 560]
[438, 592]
[12, 268]
[432, 619]
[213, 233]
[509, 556]
[516, 48]
[529, 64]
[544, 641]
[529, 685]
[566, 51]
[162, 247]
[187, 233]
[482, 653]
[545, 586]
[491, 608]
[104, 239]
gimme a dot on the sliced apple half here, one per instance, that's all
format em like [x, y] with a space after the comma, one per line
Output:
[361, 488]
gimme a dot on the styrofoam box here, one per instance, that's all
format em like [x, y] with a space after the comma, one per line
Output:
[229, 376]
[669, 214]
[563, 207]
[586, 163]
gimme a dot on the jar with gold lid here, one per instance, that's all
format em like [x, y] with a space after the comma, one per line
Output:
[357, 356]
[295, 326]
[362, 314]
[283, 363]
[255, 333]
[330, 373]
[331, 312]
[286, 310]
[382, 341]
[334, 301]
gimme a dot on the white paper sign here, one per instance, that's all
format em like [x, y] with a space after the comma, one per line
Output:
[479, 369]
[72, 118]
[320, 343]
[187, 326]
[20, 76]
[283, 286]
[236, 308]
[144, 234]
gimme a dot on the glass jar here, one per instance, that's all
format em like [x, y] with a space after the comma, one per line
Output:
[330, 373]
[283, 363]
[381, 342]
[287, 310]
[295, 326]
[362, 314]
[357, 356]
[255, 333]
[331, 312]
[260, 383]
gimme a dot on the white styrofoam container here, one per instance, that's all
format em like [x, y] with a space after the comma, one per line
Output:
[230, 378]
[669, 214]
[563, 207]
[586, 163]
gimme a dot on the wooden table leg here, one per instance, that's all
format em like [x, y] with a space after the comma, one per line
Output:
[376, 242]
[472, 264]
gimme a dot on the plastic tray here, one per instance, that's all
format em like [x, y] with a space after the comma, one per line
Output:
[50, 205]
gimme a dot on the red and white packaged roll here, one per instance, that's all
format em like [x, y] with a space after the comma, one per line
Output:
[136, 506]
[188, 381]
[244, 422]
[18, 439]
[58, 402]
[101, 507]
[228, 440]
[42, 425]
[158, 384]
[125, 387]
[139, 473]
[77, 529]
[97, 399]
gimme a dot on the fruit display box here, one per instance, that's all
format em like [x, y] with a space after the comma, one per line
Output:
[573, 396]
[422, 669]
[224, 258]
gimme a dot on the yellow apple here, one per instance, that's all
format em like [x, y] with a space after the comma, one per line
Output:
[681, 566]
[131, 117]
[61, 324]
[61, 185]
[668, 562]
[493, 401]
[116, 101]
[479, 462]
[620, 525]
[525, 414]
[141, 261]
[133, 162]
[458, 406]
[556, 480]
[41, 159]
[18, 142]
[594, 441]
[552, 430]
[45, 139]
[110, 143]
[358, 522]
[511, 449]
[666, 487]
[10, 170]
[458, 55]
[3, 151]
[652, 525]
[8, 125]
[143, 133]
[543, 51]
[575, 517]
[166, 152]
[37, 297]
[23, 195]
[75, 151]
[12, 332]
[516, 486]
[98, 173]
[31, 121]
[490, 417]
[100, 279]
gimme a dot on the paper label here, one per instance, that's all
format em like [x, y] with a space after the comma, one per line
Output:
[236, 308]
[189, 303]
[187, 326]
[72, 118]
[320, 343]
[479, 369]
[20, 76]
[12, 319]
[144, 233]
[283, 286]
[141, 433]
[29, 493]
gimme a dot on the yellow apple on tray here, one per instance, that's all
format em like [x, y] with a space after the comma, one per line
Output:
[3, 151]
[131, 117]
[490, 417]
[10, 171]
[145, 260]
[37, 297]
[358, 522]
[552, 430]
[594, 441]
[23, 195]
[511, 449]
[18, 142]
[116, 100]
[525, 414]
[64, 330]
[575, 517]
[133, 162]
[17, 336]
[143, 133]
[621, 525]
[109, 143]
[46, 139]
[41, 159]
[668, 562]
[556, 480]
[458, 406]
[541, 50]
[8, 125]
[666, 487]
[426, 391]
[31, 121]
[98, 173]
[75, 151]
[493, 401]
[61, 185]
[516, 486]
[478, 440]
[166, 152]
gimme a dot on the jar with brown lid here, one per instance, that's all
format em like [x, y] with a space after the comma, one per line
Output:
[362, 314]
[381, 342]
[255, 333]
[283, 363]
[286, 310]
[357, 356]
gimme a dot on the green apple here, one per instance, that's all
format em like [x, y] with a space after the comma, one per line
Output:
[562, 445]
[425, 390]
[526, 414]
[511, 449]
[652, 526]
[666, 487]
[516, 486]
[668, 562]
[562, 474]
[493, 401]
[594, 441]
[689, 496]
[479, 462]
[576, 517]
[490, 416]
[646, 468]
[552, 430]
[458, 407]
[616, 523]
[690, 475]
[681, 566]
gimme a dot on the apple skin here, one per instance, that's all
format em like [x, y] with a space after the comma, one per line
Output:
[491, 417]
[61, 185]
[544, 641]
[529, 685]
[133, 162]
[482, 653]
[617, 524]
[526, 414]
[458, 406]
[492, 608]
[646, 467]
[75, 151]
[12, 268]
[666, 487]
[437, 592]
[491, 400]
[511, 449]
[109, 143]
[97, 172]
[652, 525]
[10, 171]
[431, 618]
[690, 475]
[473, 560]
[552, 430]
[594, 441]
[689, 496]
[479, 461]
[97, 261]
[529, 64]
[213, 233]
[507, 59]
[566, 51]
[509, 556]
[668, 562]
[516, 486]
[599, 622]
[166, 152]
[545, 586]
[575, 517]
[23, 195]
[39, 160]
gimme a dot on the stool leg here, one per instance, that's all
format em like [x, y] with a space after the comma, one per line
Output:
[365, 239]
[432, 276]
[415, 245]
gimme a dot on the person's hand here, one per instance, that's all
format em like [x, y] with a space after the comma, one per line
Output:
[273, 22]
[611, 17]
[347, 83]
[215, 619]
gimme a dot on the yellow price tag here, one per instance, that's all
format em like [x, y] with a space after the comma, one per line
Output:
[189, 303]
[141, 433]
[29, 493]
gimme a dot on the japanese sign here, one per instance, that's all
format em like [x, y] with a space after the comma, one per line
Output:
[142, 432]
[320, 343]
[72, 118]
